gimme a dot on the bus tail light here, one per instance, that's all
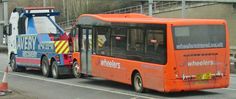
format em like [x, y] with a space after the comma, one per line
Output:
[188, 77]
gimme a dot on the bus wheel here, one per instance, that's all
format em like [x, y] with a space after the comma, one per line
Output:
[76, 69]
[138, 83]
[13, 63]
[55, 72]
[45, 67]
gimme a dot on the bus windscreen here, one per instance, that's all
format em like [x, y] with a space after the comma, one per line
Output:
[199, 37]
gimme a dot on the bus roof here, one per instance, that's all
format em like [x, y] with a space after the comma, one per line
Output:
[103, 19]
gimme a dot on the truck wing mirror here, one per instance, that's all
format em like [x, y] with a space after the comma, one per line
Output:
[7, 29]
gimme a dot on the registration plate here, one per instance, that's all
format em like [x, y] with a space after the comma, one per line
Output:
[205, 76]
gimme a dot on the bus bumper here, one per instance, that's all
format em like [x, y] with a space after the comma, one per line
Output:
[193, 85]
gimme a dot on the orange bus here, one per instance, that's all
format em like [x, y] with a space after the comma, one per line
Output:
[167, 55]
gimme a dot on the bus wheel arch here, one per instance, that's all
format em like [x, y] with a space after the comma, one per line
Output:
[75, 70]
[136, 81]
[45, 66]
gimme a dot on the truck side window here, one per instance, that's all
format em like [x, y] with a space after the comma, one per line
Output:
[9, 29]
[21, 28]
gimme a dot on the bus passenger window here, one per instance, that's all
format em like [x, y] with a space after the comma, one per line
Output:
[156, 47]
[136, 44]
[119, 42]
[102, 41]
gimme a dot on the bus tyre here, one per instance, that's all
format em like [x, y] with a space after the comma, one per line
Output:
[76, 69]
[138, 83]
[13, 63]
[45, 67]
[55, 72]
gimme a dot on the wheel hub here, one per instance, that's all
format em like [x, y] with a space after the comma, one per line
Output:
[138, 83]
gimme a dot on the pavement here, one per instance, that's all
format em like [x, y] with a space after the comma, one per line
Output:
[32, 85]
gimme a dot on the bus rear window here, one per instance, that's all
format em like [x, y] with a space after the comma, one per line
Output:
[199, 36]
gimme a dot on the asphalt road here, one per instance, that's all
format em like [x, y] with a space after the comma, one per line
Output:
[34, 86]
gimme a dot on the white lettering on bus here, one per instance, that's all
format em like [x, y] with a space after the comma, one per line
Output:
[201, 63]
[191, 46]
[110, 64]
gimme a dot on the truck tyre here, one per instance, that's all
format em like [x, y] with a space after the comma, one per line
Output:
[138, 83]
[45, 67]
[55, 72]
[13, 63]
[76, 69]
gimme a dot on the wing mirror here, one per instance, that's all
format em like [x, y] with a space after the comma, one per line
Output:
[7, 30]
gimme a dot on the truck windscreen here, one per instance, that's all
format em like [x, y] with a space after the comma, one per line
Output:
[199, 36]
[43, 25]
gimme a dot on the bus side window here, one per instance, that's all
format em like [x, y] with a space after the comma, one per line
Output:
[102, 41]
[83, 43]
[119, 42]
[156, 47]
[75, 35]
[136, 44]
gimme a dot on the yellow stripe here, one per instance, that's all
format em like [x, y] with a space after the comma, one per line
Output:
[99, 44]
[60, 45]
[67, 50]
[63, 47]
[56, 43]
[99, 40]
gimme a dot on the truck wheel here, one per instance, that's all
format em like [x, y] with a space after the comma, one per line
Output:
[76, 69]
[55, 72]
[138, 83]
[45, 67]
[13, 63]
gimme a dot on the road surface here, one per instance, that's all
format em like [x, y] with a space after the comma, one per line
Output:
[32, 85]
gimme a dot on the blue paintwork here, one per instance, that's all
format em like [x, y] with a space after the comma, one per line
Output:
[34, 45]
[31, 26]
[43, 37]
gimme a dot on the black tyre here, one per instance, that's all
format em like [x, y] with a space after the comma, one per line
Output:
[138, 83]
[13, 63]
[76, 70]
[45, 67]
[55, 72]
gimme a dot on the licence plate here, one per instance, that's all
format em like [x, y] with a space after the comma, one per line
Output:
[205, 76]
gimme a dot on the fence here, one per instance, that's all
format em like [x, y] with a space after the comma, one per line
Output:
[158, 7]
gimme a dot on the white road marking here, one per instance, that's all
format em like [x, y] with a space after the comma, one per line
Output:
[82, 86]
[230, 89]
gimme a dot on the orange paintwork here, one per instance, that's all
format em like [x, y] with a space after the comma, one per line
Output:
[76, 56]
[165, 78]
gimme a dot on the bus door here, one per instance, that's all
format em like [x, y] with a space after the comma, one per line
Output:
[86, 50]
